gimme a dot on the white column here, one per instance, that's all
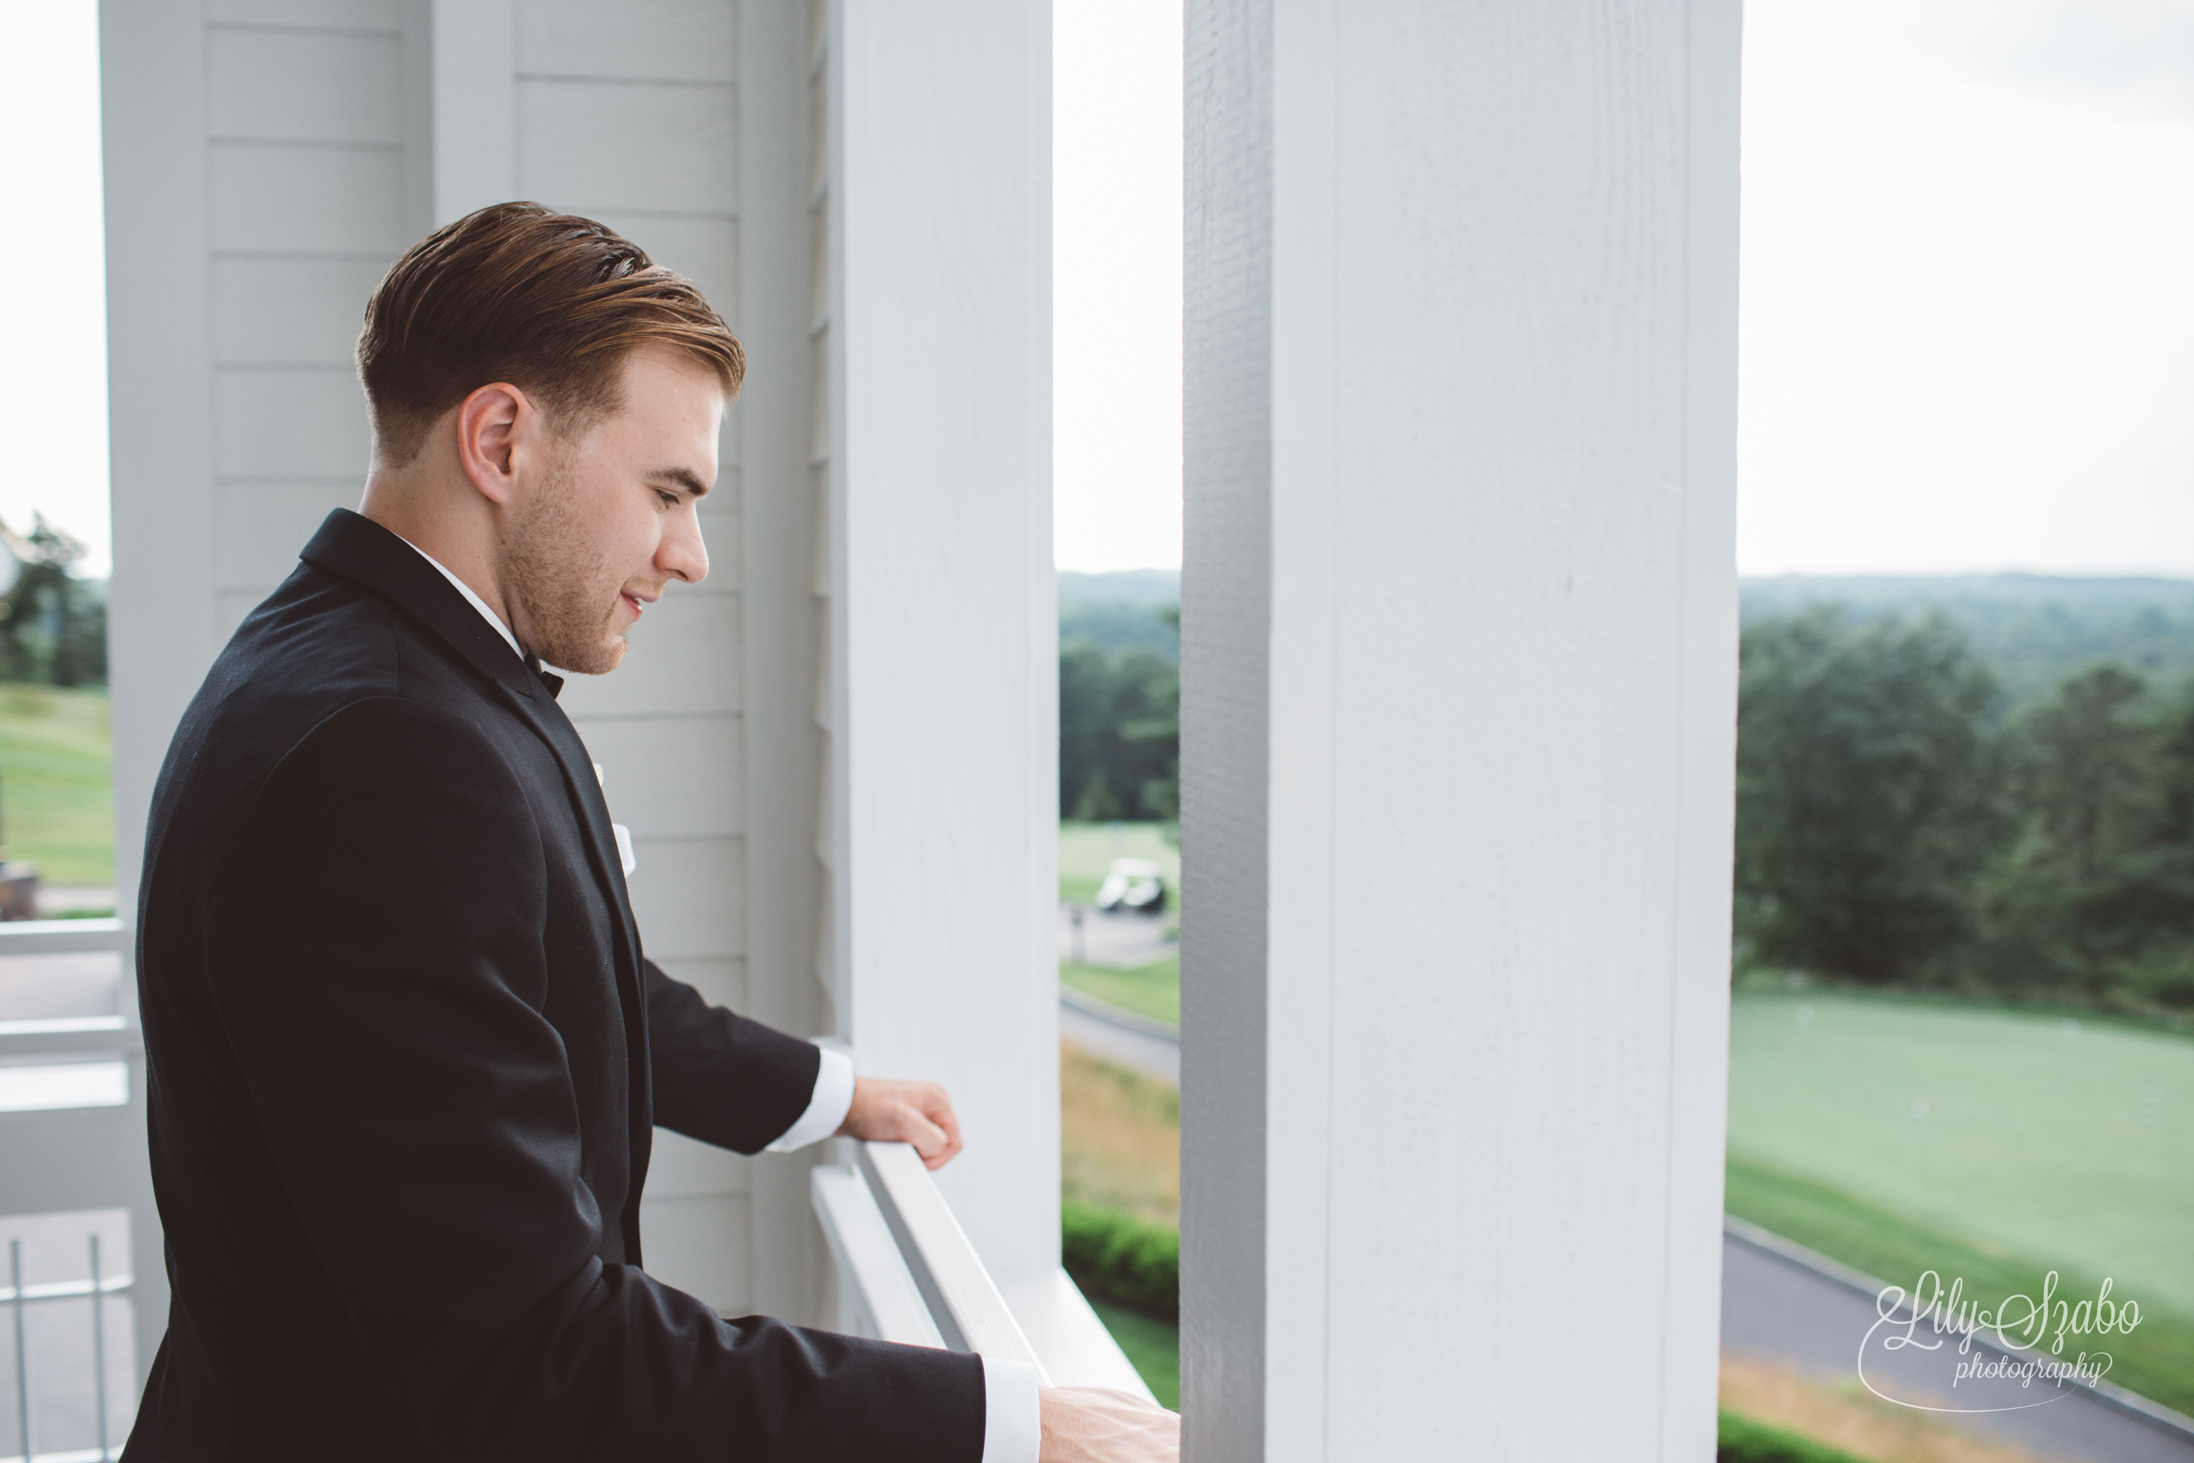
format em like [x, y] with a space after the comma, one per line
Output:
[777, 603]
[946, 634]
[1459, 664]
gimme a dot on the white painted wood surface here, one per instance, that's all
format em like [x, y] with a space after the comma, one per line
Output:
[945, 623]
[780, 755]
[886, 1304]
[1459, 667]
[962, 1298]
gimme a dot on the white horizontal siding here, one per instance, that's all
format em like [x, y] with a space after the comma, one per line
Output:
[259, 528]
[303, 86]
[689, 895]
[653, 40]
[685, 661]
[290, 311]
[682, 1168]
[385, 15]
[307, 198]
[289, 422]
[701, 1245]
[671, 776]
[596, 145]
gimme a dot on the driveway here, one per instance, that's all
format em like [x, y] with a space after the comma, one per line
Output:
[1778, 1306]
[1122, 941]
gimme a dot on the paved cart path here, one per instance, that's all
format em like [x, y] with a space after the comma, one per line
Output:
[1142, 1046]
[1776, 1308]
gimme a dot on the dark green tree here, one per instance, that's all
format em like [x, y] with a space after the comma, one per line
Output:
[52, 625]
[2096, 894]
[1865, 806]
[1119, 734]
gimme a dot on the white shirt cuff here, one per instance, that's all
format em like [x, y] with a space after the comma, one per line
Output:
[1013, 1420]
[827, 1108]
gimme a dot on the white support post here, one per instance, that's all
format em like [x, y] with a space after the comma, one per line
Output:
[946, 638]
[162, 628]
[1459, 640]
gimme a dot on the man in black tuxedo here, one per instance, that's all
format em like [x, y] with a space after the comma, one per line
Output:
[405, 1050]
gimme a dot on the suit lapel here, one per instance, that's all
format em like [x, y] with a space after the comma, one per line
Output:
[580, 784]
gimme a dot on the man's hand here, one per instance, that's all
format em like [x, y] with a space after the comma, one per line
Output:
[904, 1112]
[1099, 1425]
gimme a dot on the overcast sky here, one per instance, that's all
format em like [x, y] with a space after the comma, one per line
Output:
[1968, 295]
[53, 343]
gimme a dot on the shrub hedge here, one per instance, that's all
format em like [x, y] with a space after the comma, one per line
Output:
[1744, 1441]
[1127, 1261]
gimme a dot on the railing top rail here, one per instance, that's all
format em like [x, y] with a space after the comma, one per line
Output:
[868, 1254]
[965, 1302]
[60, 936]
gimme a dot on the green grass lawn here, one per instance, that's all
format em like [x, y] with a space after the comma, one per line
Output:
[1086, 851]
[1899, 1136]
[2032, 1135]
[57, 782]
[1152, 990]
[1153, 1346]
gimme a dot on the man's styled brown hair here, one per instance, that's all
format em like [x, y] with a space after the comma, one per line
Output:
[547, 301]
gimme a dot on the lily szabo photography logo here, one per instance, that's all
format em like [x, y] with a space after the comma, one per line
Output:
[1941, 1349]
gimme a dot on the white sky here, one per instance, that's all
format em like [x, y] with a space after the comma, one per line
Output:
[1968, 294]
[53, 315]
[1116, 284]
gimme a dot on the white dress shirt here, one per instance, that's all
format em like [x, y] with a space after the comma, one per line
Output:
[1012, 1419]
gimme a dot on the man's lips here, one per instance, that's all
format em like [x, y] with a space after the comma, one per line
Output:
[639, 603]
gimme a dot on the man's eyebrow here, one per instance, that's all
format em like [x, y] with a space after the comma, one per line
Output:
[683, 477]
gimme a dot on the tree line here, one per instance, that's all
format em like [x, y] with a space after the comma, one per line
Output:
[1899, 824]
[1120, 722]
[53, 626]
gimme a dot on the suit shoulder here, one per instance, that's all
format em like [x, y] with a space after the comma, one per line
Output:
[379, 737]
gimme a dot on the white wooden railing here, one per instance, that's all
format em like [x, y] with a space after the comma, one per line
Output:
[72, 1173]
[907, 1273]
[72, 1131]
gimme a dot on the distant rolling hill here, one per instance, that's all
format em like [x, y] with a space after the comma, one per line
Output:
[2034, 629]
[1117, 612]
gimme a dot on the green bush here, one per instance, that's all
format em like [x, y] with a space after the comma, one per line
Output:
[1744, 1441]
[1129, 1262]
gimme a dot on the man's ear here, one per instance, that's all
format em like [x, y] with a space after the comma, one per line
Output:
[489, 423]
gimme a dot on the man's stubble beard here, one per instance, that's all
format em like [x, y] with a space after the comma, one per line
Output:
[556, 573]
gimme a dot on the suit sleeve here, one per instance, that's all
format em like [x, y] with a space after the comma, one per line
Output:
[722, 1078]
[379, 970]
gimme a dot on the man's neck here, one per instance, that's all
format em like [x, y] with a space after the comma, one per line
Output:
[458, 541]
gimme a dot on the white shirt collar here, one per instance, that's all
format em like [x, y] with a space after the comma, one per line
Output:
[472, 599]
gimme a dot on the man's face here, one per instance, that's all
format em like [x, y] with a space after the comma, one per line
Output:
[612, 519]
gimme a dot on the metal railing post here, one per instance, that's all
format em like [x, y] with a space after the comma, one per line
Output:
[98, 1350]
[22, 1351]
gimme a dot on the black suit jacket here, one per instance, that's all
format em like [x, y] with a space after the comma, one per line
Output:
[405, 1054]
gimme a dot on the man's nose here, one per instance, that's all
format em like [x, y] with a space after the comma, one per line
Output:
[683, 555]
